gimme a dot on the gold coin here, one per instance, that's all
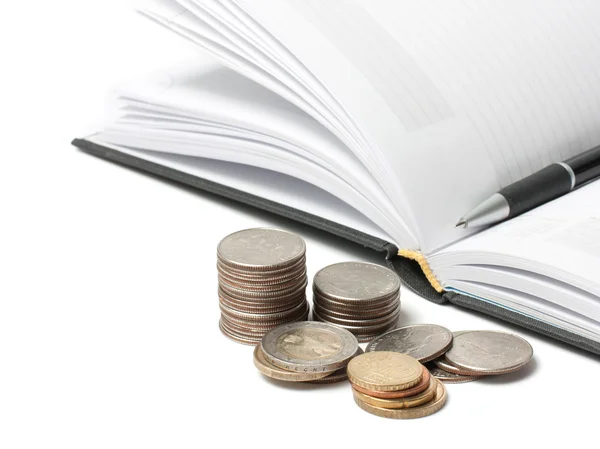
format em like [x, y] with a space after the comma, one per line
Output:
[410, 413]
[385, 371]
[407, 402]
[274, 372]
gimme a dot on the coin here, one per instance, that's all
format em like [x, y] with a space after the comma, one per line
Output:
[263, 276]
[450, 378]
[274, 372]
[419, 388]
[443, 364]
[406, 402]
[266, 318]
[342, 311]
[238, 339]
[385, 371]
[356, 282]
[263, 286]
[241, 293]
[309, 347]
[417, 412]
[325, 315]
[489, 352]
[424, 342]
[357, 328]
[261, 249]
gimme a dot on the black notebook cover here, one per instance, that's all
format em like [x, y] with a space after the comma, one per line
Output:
[408, 270]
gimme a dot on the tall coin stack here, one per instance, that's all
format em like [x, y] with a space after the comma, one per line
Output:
[262, 282]
[361, 297]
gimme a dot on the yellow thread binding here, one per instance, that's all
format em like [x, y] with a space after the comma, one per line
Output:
[420, 259]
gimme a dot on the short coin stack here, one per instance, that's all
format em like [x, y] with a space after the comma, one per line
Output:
[394, 385]
[361, 297]
[483, 353]
[460, 356]
[306, 352]
[262, 282]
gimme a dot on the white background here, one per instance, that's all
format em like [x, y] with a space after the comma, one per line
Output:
[109, 312]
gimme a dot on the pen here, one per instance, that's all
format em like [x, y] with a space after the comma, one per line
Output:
[541, 187]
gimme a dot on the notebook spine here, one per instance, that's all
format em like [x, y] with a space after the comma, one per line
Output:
[422, 261]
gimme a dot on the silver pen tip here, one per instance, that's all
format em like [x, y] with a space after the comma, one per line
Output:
[461, 224]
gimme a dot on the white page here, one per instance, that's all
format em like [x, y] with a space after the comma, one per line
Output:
[494, 90]
[169, 13]
[263, 183]
[528, 282]
[560, 240]
[518, 82]
[532, 306]
[210, 97]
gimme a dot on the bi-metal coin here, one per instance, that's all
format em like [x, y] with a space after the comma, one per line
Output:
[309, 347]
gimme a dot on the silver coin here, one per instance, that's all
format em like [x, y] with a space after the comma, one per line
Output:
[309, 347]
[444, 364]
[241, 293]
[355, 320]
[350, 313]
[489, 352]
[249, 317]
[262, 274]
[261, 249]
[356, 282]
[424, 342]
[360, 328]
[450, 378]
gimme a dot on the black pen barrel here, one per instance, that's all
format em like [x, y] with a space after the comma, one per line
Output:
[585, 166]
[539, 188]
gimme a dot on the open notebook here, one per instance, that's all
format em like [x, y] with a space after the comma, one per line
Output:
[384, 121]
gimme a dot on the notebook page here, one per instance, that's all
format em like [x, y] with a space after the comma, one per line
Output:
[518, 81]
[560, 240]
[204, 109]
[191, 24]
[265, 184]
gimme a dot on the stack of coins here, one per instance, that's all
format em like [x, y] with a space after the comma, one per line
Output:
[460, 356]
[363, 298]
[306, 352]
[394, 385]
[262, 282]
[475, 354]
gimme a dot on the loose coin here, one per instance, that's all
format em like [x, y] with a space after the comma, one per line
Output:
[424, 342]
[451, 378]
[385, 371]
[274, 372]
[419, 388]
[445, 365]
[261, 249]
[309, 347]
[407, 402]
[411, 413]
[489, 352]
